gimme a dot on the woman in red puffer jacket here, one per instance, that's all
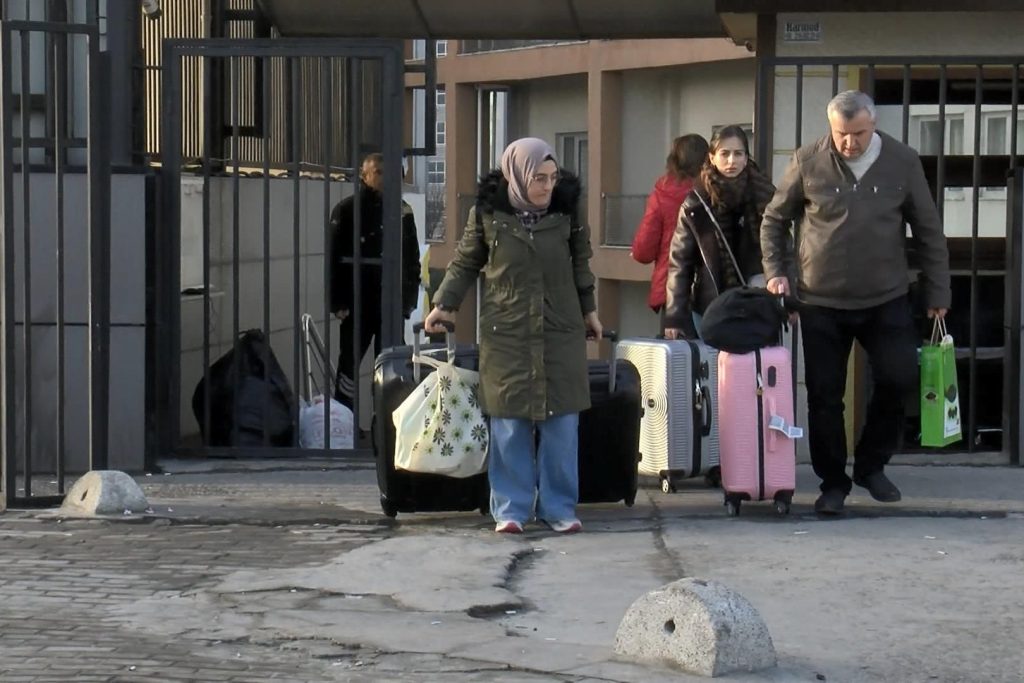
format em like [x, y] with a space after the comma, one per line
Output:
[651, 243]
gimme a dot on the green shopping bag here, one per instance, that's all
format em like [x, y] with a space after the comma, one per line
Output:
[940, 397]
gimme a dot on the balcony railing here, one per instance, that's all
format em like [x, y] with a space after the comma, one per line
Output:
[622, 215]
[473, 46]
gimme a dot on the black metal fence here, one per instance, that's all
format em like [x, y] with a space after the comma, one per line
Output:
[962, 115]
[55, 321]
[260, 246]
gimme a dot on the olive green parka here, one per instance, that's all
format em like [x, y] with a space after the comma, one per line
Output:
[536, 288]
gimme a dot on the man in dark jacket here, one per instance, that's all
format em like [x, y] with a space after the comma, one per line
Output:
[849, 197]
[371, 210]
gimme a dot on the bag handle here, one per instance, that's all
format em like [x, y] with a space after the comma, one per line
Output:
[938, 331]
[721, 234]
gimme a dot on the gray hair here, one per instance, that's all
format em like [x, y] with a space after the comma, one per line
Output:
[849, 103]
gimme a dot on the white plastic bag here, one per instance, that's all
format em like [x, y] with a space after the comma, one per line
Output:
[311, 425]
[439, 427]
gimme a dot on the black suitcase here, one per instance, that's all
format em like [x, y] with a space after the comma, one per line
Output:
[394, 378]
[609, 434]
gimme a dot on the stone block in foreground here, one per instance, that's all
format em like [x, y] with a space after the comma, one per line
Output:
[701, 626]
[104, 492]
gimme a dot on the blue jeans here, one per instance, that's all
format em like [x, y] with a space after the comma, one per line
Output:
[519, 476]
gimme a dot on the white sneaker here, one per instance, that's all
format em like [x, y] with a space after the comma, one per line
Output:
[509, 526]
[565, 526]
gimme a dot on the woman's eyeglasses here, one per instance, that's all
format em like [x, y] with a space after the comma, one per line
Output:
[544, 179]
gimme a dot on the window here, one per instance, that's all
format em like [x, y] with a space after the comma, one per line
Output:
[440, 132]
[435, 172]
[929, 133]
[442, 48]
[995, 140]
[440, 97]
[996, 133]
[573, 153]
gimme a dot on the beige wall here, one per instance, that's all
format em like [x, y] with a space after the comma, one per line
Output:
[661, 104]
[916, 33]
[550, 106]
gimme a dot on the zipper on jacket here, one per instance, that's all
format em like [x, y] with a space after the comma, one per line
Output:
[760, 427]
[698, 400]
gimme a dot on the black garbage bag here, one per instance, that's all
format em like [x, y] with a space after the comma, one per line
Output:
[261, 405]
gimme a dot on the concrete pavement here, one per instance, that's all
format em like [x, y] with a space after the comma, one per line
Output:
[288, 571]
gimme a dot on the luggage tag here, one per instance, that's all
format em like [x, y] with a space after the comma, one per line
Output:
[778, 423]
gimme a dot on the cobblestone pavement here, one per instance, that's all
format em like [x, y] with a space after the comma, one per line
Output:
[159, 599]
[57, 581]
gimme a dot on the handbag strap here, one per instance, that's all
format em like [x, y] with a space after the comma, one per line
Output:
[436, 363]
[721, 234]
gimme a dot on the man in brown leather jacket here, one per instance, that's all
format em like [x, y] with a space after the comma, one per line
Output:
[849, 197]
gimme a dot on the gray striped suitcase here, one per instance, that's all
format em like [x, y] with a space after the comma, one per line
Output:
[678, 389]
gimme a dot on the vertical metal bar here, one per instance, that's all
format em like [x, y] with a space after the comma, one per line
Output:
[354, 122]
[236, 276]
[8, 399]
[940, 169]
[1013, 362]
[972, 373]
[59, 77]
[265, 106]
[762, 125]
[799, 106]
[99, 247]
[169, 245]
[295, 155]
[1014, 106]
[906, 104]
[326, 90]
[208, 126]
[26, 287]
[870, 90]
[391, 96]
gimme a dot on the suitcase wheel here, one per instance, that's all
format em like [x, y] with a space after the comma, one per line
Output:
[389, 508]
[713, 479]
[630, 499]
[781, 508]
[667, 486]
[732, 508]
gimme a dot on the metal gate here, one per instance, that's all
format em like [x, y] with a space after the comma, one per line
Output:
[962, 115]
[260, 140]
[54, 326]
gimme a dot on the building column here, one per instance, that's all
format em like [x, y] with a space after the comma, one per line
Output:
[460, 182]
[604, 169]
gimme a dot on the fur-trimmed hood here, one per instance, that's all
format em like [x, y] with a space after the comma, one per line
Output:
[492, 194]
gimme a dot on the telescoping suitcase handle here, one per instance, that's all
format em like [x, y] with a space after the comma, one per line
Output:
[613, 337]
[315, 359]
[449, 341]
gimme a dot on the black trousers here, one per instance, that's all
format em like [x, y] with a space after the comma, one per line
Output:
[887, 334]
[347, 382]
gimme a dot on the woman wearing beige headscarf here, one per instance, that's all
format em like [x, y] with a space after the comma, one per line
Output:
[536, 307]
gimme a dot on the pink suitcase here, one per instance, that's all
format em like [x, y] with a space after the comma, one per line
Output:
[758, 462]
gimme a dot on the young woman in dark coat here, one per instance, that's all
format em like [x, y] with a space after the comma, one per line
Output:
[722, 213]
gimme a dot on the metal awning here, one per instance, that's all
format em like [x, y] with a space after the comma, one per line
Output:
[522, 19]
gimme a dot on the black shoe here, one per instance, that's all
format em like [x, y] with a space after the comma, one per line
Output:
[830, 502]
[880, 488]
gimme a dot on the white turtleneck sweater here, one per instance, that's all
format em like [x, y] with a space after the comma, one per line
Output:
[861, 164]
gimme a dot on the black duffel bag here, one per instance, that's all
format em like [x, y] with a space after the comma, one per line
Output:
[260, 405]
[744, 319]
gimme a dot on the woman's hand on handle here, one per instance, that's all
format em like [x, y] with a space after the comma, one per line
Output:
[432, 323]
[674, 333]
[593, 324]
[778, 285]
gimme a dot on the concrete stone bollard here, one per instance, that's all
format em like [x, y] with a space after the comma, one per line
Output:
[701, 626]
[104, 492]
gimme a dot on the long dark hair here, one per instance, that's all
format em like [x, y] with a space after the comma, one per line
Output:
[686, 157]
